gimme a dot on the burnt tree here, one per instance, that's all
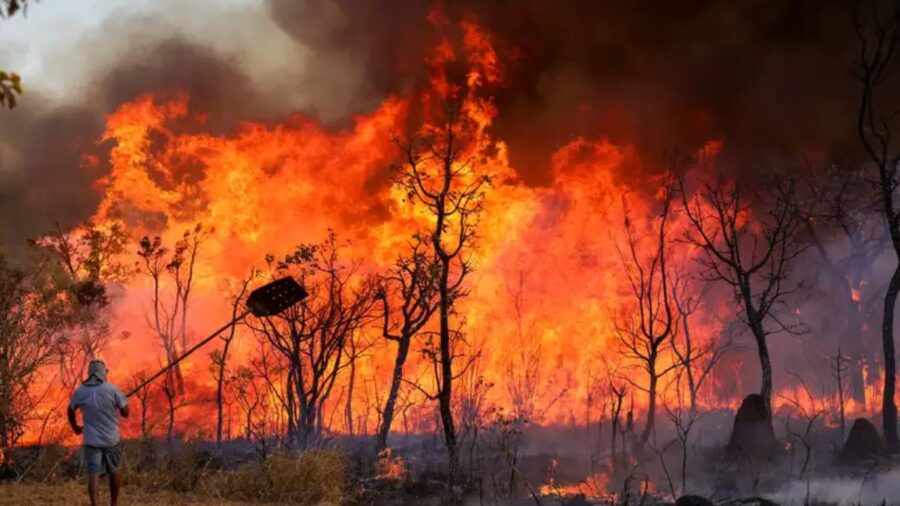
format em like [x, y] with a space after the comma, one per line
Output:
[408, 295]
[840, 214]
[645, 331]
[751, 250]
[696, 359]
[877, 46]
[439, 174]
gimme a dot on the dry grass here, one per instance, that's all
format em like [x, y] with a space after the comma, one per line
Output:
[186, 476]
[311, 478]
[73, 493]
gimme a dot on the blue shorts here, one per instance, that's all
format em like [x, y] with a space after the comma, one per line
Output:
[103, 460]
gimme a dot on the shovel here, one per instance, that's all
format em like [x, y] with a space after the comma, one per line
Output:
[267, 300]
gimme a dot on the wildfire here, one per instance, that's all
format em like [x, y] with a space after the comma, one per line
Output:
[264, 189]
[593, 488]
[390, 466]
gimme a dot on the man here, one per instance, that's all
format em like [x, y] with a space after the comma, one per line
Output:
[100, 403]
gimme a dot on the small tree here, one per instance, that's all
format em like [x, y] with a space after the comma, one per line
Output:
[31, 315]
[683, 420]
[220, 358]
[696, 360]
[143, 395]
[168, 313]
[312, 336]
[751, 250]
[616, 389]
[840, 368]
[408, 295]
[82, 261]
[439, 176]
[644, 332]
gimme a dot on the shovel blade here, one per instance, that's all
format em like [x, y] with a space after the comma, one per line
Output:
[275, 297]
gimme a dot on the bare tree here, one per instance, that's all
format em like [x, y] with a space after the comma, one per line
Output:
[645, 331]
[877, 46]
[683, 421]
[142, 393]
[357, 347]
[248, 394]
[696, 360]
[839, 210]
[408, 294]
[809, 409]
[168, 314]
[750, 250]
[440, 177]
[312, 336]
[220, 358]
[840, 368]
[617, 388]
[170, 391]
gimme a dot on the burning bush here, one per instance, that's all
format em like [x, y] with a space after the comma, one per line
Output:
[390, 466]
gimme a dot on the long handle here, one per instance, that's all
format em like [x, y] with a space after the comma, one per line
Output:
[187, 353]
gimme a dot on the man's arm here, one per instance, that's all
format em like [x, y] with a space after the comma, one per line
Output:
[73, 422]
[121, 402]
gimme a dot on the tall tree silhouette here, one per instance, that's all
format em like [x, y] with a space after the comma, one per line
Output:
[408, 295]
[439, 175]
[877, 48]
[645, 332]
[751, 250]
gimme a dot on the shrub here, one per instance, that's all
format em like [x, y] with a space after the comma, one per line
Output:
[315, 477]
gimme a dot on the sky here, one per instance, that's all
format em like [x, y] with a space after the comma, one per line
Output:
[60, 46]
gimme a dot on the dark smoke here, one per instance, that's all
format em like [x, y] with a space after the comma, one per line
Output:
[770, 78]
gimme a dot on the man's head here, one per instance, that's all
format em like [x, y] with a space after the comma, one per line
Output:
[97, 369]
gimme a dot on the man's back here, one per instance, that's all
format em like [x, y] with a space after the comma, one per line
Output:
[100, 405]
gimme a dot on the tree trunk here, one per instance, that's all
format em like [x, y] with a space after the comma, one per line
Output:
[445, 395]
[689, 363]
[220, 382]
[388, 414]
[143, 418]
[348, 408]
[651, 404]
[170, 435]
[765, 365]
[754, 321]
[888, 405]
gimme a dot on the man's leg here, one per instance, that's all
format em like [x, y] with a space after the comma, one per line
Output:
[93, 485]
[112, 462]
[94, 464]
[115, 482]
